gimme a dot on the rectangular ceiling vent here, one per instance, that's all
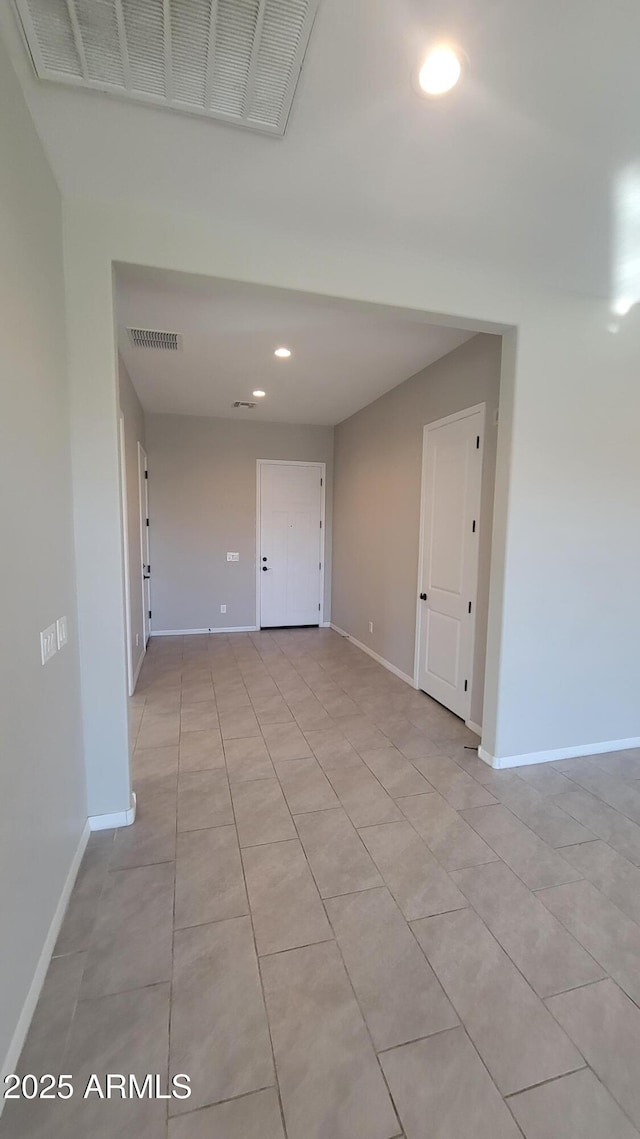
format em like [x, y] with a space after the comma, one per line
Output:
[243, 403]
[235, 60]
[150, 338]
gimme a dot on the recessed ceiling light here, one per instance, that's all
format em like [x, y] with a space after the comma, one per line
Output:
[440, 71]
[282, 353]
[258, 394]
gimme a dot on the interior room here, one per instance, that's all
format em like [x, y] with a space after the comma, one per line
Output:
[351, 372]
[321, 733]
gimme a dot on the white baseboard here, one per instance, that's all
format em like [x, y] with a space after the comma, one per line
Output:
[365, 648]
[116, 819]
[204, 632]
[473, 727]
[10, 1061]
[503, 761]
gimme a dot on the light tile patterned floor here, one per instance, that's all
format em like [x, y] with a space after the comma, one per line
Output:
[342, 924]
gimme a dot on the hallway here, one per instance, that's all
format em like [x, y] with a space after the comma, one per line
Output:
[339, 922]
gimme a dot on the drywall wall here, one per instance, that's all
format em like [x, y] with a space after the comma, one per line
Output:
[97, 511]
[202, 503]
[378, 472]
[564, 625]
[133, 416]
[43, 804]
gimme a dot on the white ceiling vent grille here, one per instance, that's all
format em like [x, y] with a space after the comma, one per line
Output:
[235, 60]
[150, 338]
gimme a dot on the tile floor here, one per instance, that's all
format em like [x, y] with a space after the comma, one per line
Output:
[340, 923]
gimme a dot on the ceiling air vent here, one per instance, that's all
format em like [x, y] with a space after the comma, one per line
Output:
[235, 60]
[149, 338]
[243, 403]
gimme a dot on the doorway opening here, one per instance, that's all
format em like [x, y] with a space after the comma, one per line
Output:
[240, 537]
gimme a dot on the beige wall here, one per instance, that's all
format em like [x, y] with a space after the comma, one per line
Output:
[202, 503]
[43, 802]
[378, 463]
[133, 414]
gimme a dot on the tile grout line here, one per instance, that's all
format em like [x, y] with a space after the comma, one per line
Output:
[364, 1019]
[173, 913]
[259, 971]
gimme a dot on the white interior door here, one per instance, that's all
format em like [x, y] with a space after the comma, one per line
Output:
[125, 545]
[290, 543]
[143, 477]
[452, 473]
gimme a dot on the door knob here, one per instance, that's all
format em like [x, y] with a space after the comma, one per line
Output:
[264, 569]
[423, 597]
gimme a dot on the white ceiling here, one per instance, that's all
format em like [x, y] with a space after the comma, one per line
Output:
[343, 356]
[518, 168]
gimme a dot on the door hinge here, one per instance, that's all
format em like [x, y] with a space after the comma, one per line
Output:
[147, 521]
[319, 565]
[477, 442]
[318, 607]
[469, 606]
[149, 614]
[321, 482]
[466, 685]
[146, 474]
[473, 526]
[321, 524]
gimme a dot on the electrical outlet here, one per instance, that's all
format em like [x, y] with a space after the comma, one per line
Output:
[48, 643]
[233, 557]
[223, 609]
[61, 632]
[370, 626]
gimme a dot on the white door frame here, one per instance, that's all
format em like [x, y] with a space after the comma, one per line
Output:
[481, 408]
[322, 467]
[144, 543]
[125, 554]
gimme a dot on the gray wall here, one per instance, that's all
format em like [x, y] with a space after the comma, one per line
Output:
[378, 463]
[202, 503]
[42, 805]
[133, 434]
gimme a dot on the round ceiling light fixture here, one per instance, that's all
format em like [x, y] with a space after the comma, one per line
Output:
[282, 353]
[622, 306]
[441, 70]
[258, 394]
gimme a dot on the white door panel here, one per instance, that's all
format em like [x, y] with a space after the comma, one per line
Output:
[290, 543]
[450, 530]
[144, 542]
[443, 647]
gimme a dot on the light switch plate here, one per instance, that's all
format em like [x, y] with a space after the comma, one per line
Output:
[233, 557]
[48, 643]
[223, 609]
[61, 631]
